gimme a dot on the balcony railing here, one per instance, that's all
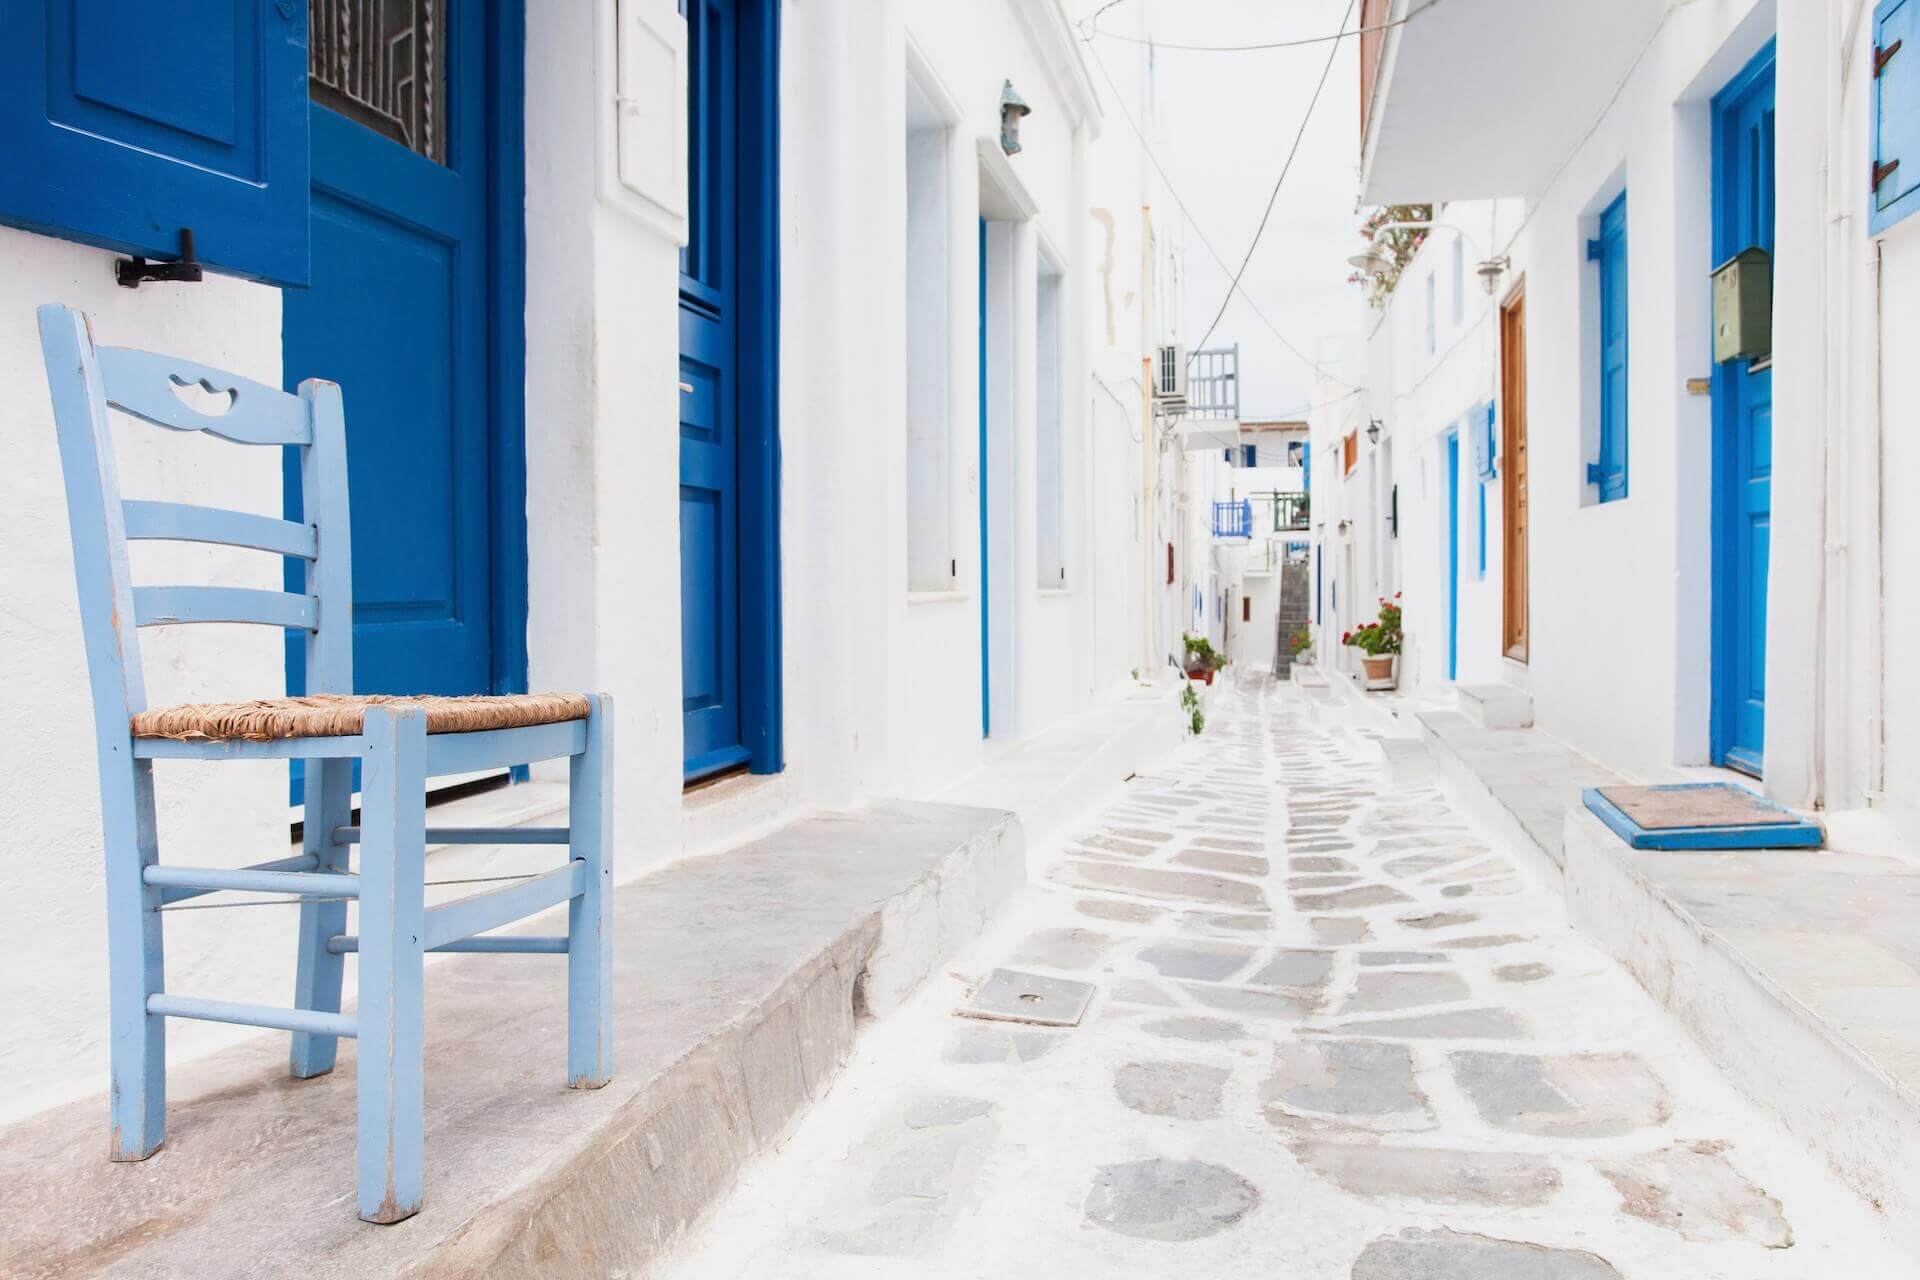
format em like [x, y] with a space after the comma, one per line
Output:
[1291, 511]
[1213, 383]
[1233, 519]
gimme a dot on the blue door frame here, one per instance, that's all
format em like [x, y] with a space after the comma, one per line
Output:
[416, 307]
[729, 356]
[986, 678]
[1743, 199]
[1453, 555]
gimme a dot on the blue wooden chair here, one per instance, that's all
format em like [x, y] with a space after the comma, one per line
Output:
[398, 744]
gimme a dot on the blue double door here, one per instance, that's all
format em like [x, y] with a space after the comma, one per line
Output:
[729, 626]
[415, 310]
[1743, 204]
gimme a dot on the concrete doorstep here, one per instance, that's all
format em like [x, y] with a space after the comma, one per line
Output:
[739, 977]
[1798, 971]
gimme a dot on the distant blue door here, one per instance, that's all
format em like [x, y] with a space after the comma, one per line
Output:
[1743, 175]
[405, 312]
[1453, 556]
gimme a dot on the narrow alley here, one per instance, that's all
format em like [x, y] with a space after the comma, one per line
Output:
[1335, 1031]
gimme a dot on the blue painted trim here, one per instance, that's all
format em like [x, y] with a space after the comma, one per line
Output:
[757, 358]
[1609, 472]
[986, 687]
[1878, 218]
[1480, 520]
[1789, 833]
[507, 346]
[1453, 555]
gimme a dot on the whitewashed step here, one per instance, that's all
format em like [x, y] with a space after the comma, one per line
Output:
[1496, 706]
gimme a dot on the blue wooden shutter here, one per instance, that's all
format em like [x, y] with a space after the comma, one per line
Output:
[1609, 473]
[1896, 113]
[127, 120]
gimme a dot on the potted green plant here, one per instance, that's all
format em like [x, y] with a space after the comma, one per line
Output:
[1301, 643]
[1379, 645]
[1202, 658]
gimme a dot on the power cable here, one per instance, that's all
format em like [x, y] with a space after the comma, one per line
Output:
[1146, 149]
[1093, 30]
[1285, 169]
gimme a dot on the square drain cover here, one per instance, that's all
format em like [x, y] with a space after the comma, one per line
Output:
[1008, 995]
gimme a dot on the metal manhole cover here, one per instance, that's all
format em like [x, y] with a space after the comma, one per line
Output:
[1009, 995]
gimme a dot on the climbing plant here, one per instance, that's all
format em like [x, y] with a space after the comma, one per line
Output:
[1398, 245]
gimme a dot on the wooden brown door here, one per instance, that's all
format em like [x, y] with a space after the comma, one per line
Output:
[1513, 466]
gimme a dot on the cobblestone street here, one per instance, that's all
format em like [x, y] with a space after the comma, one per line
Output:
[1335, 1034]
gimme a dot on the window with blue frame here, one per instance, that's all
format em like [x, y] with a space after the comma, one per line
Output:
[1896, 114]
[1608, 251]
[127, 124]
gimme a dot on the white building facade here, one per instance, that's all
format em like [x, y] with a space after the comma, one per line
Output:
[724, 361]
[1677, 527]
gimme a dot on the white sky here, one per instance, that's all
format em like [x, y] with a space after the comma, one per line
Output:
[1227, 122]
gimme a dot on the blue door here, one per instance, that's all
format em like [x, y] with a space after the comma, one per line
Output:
[1453, 555]
[1743, 430]
[729, 337]
[414, 310]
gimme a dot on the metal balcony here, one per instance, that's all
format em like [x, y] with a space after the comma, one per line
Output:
[1233, 519]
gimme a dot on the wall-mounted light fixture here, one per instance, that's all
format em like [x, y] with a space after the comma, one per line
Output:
[1373, 431]
[1012, 108]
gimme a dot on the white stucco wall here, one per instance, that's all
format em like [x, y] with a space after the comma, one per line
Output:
[880, 690]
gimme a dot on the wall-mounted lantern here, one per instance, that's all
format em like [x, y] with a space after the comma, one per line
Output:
[1373, 430]
[1012, 108]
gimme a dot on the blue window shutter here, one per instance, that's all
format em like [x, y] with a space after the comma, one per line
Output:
[1896, 113]
[1609, 472]
[126, 121]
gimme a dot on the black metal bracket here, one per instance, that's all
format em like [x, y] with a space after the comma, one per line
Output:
[136, 271]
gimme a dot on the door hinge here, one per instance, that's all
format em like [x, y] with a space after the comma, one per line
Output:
[1881, 172]
[1882, 56]
[132, 272]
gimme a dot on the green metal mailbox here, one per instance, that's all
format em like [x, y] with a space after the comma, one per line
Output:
[1743, 307]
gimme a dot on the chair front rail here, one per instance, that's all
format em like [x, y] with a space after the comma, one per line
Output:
[180, 893]
[307, 884]
[315, 1021]
[347, 944]
[452, 921]
[184, 522]
[473, 835]
[492, 748]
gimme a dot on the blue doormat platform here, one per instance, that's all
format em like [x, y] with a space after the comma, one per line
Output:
[1700, 815]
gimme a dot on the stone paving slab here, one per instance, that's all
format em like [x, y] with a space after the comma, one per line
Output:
[1410, 1085]
[736, 978]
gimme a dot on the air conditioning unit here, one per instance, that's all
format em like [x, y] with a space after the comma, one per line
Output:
[1170, 377]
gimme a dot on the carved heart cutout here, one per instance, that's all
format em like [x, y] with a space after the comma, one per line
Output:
[202, 396]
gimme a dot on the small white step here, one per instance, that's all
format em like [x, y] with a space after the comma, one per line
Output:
[1496, 706]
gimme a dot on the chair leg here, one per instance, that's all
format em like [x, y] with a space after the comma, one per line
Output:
[590, 915]
[393, 819]
[138, 1050]
[329, 804]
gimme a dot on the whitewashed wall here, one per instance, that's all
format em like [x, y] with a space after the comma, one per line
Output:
[880, 692]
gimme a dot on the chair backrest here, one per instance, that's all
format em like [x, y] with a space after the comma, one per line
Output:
[86, 382]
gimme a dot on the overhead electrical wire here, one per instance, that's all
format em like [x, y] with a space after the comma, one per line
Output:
[1093, 30]
[1146, 149]
[1274, 195]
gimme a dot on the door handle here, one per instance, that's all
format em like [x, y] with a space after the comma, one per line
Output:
[686, 388]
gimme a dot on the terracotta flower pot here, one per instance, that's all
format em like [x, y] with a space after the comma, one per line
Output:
[1382, 670]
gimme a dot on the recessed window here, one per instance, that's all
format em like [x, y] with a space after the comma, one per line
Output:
[1050, 471]
[930, 544]
[1433, 312]
[1459, 281]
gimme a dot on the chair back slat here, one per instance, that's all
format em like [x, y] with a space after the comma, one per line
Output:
[87, 381]
[168, 606]
[184, 522]
[143, 383]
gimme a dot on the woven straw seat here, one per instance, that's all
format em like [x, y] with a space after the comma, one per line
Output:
[334, 715]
